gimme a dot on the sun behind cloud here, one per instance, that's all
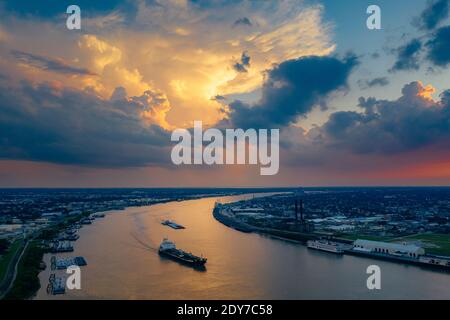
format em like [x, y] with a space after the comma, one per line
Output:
[181, 52]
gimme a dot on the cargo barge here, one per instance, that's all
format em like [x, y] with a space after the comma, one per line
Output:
[56, 285]
[64, 263]
[168, 249]
[172, 224]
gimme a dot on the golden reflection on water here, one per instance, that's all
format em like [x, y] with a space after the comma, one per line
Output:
[123, 263]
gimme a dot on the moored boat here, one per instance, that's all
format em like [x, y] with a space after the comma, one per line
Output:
[326, 245]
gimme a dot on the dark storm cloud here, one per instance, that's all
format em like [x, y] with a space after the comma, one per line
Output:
[389, 127]
[435, 13]
[376, 82]
[47, 123]
[243, 64]
[49, 64]
[408, 56]
[439, 47]
[445, 98]
[292, 89]
[243, 21]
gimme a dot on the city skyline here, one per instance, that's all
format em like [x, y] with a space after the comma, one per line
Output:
[96, 107]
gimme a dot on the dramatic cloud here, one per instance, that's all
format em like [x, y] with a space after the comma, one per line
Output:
[50, 123]
[413, 121]
[376, 82]
[49, 64]
[439, 47]
[435, 13]
[408, 56]
[292, 89]
[182, 49]
[406, 140]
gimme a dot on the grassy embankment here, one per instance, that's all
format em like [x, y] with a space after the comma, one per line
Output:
[289, 235]
[27, 281]
[7, 257]
[438, 244]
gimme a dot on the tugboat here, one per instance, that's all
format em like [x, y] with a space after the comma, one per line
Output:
[168, 249]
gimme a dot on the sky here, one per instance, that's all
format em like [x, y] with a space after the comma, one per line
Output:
[96, 107]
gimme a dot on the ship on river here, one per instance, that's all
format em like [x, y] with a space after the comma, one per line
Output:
[172, 224]
[326, 245]
[168, 249]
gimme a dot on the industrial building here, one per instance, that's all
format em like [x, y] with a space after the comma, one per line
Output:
[368, 246]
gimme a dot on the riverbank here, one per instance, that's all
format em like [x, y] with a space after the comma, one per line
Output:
[23, 280]
[123, 262]
[8, 263]
[26, 282]
[19, 280]
[431, 261]
[92, 260]
[279, 234]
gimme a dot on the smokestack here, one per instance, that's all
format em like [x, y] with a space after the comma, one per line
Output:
[301, 210]
[296, 209]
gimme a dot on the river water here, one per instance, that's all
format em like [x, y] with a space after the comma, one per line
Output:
[123, 263]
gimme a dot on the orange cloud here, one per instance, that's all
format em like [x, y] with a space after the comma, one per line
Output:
[426, 92]
[177, 51]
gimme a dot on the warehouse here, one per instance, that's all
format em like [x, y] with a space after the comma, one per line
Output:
[410, 250]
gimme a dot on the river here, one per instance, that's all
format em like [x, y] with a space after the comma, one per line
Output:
[123, 263]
